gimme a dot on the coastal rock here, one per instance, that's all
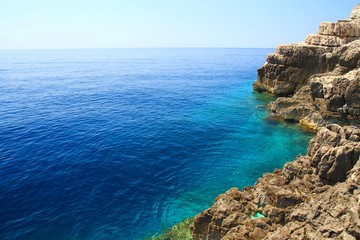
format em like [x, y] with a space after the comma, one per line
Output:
[292, 66]
[324, 40]
[316, 196]
[333, 154]
[349, 55]
[319, 79]
[355, 14]
[327, 98]
[342, 29]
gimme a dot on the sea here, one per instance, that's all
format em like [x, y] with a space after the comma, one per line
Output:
[101, 144]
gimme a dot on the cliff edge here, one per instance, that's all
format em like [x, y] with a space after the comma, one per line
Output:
[317, 196]
[317, 81]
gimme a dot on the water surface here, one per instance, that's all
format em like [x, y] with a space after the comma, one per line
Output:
[123, 143]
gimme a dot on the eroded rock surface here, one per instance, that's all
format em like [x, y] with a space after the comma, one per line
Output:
[327, 98]
[316, 196]
[318, 80]
[290, 67]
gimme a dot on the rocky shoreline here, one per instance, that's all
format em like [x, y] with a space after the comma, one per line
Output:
[317, 82]
[317, 196]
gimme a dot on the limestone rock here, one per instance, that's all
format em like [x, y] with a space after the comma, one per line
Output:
[355, 14]
[319, 79]
[350, 55]
[291, 66]
[325, 40]
[325, 99]
[316, 196]
[342, 29]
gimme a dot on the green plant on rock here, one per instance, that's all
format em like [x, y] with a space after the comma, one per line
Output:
[180, 231]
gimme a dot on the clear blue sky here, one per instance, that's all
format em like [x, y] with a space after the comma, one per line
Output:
[33, 24]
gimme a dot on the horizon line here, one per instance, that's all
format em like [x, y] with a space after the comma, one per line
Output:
[98, 48]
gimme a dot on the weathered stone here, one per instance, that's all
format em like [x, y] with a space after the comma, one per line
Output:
[355, 14]
[251, 229]
[293, 108]
[325, 40]
[350, 55]
[297, 201]
[291, 66]
[335, 164]
[316, 196]
[312, 121]
[340, 29]
[317, 90]
[326, 98]
[297, 55]
[352, 98]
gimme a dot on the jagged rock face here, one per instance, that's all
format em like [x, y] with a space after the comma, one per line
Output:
[349, 56]
[327, 98]
[334, 152]
[317, 196]
[291, 66]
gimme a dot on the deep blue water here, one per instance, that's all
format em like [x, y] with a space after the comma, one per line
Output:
[123, 143]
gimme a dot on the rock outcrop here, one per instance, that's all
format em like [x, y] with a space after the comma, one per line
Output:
[316, 196]
[325, 99]
[290, 67]
[318, 79]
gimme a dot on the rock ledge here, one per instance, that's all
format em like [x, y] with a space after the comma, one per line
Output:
[318, 80]
[317, 196]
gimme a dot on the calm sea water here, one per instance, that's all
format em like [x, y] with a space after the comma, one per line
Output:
[123, 143]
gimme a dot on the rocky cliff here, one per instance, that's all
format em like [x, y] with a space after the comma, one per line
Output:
[317, 196]
[318, 79]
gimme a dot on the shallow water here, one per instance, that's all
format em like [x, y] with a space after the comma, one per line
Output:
[123, 143]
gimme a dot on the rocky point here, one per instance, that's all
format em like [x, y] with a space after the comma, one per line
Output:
[317, 196]
[317, 81]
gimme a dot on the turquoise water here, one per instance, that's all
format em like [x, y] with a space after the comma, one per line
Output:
[124, 143]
